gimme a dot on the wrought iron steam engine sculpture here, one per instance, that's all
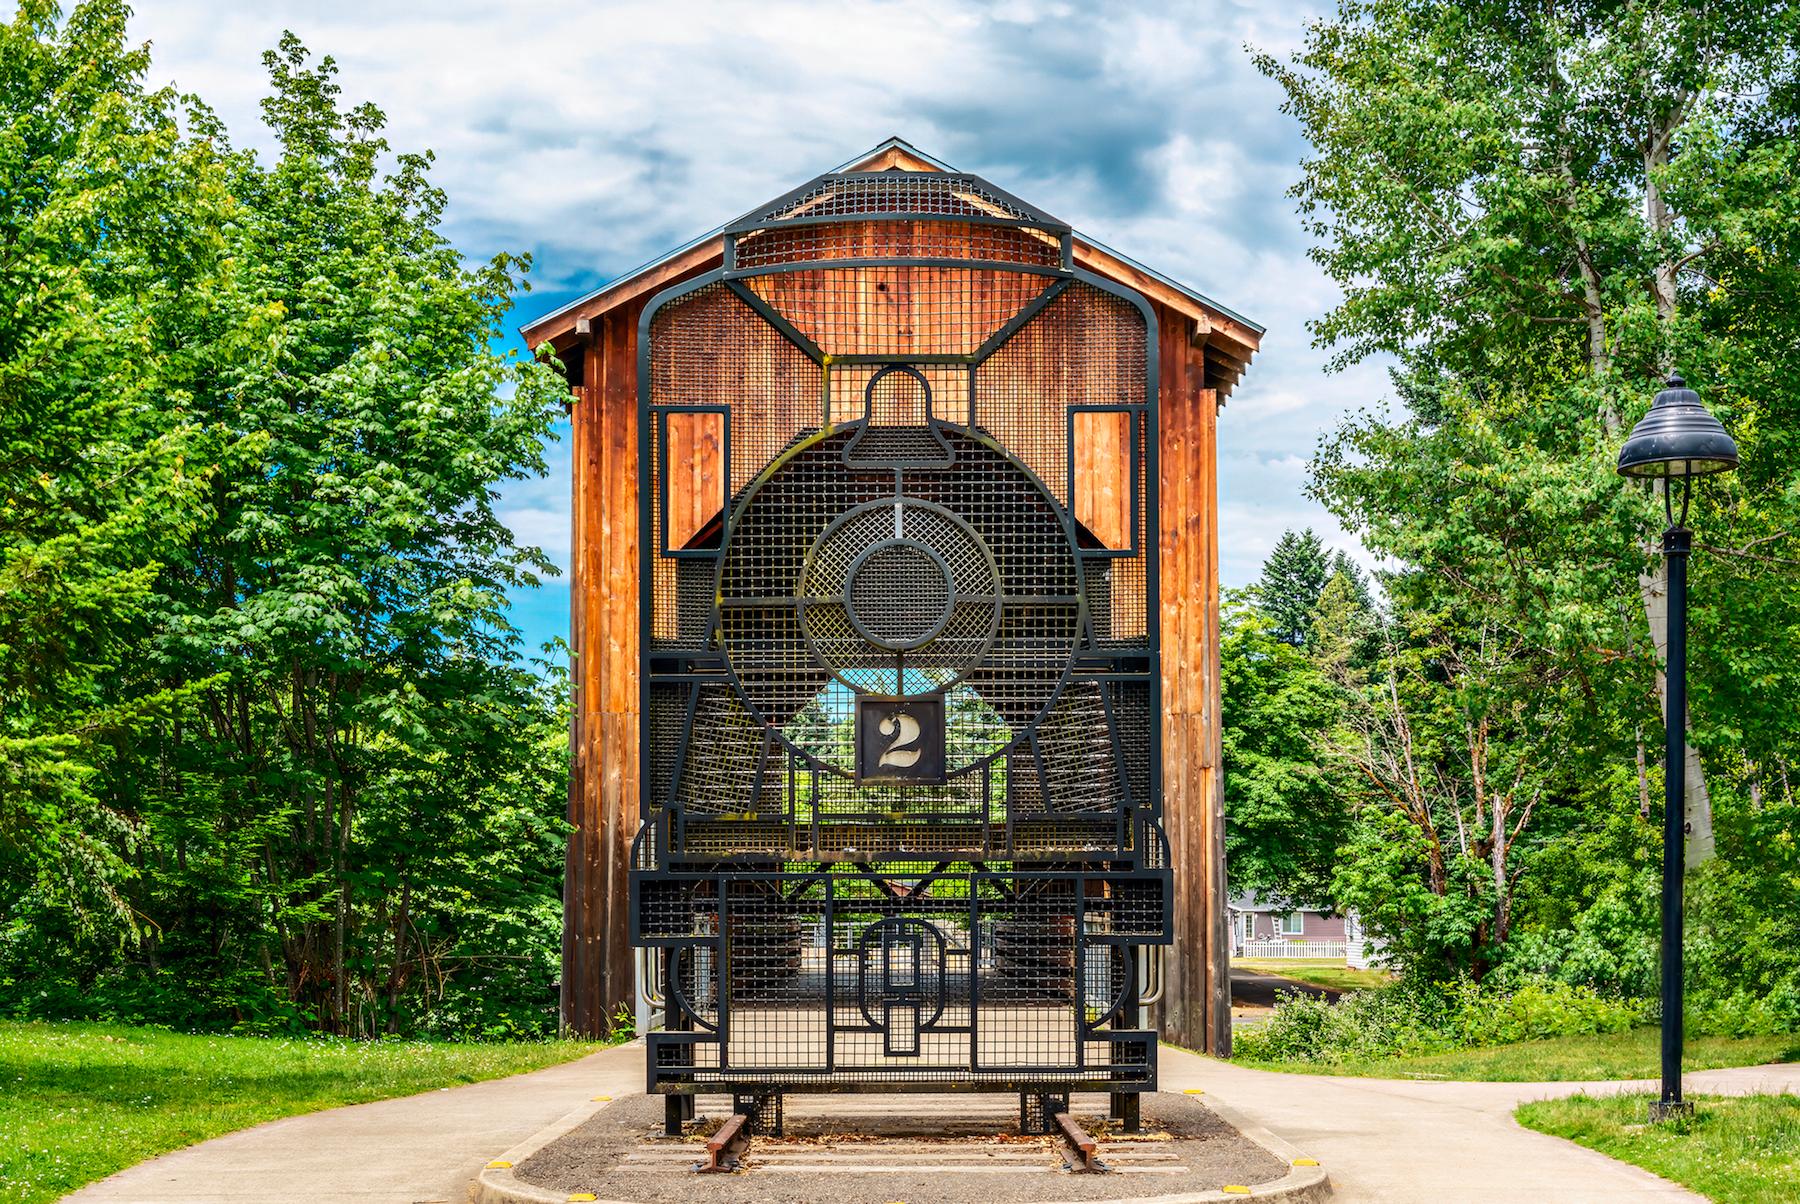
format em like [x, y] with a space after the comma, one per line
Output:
[901, 785]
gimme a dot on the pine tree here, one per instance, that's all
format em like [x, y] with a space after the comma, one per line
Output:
[1342, 623]
[1293, 577]
[1343, 565]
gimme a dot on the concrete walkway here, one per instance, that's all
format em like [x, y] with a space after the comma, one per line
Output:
[1380, 1139]
[1393, 1139]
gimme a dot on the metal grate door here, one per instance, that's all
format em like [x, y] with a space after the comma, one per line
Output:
[901, 791]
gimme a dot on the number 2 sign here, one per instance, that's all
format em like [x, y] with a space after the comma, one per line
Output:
[900, 741]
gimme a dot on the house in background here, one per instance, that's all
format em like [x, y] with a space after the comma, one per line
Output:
[1264, 928]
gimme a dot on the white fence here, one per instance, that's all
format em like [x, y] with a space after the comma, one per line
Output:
[1321, 950]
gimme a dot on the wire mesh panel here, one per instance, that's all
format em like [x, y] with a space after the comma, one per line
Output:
[901, 799]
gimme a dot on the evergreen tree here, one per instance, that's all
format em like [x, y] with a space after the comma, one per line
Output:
[1343, 628]
[1343, 565]
[1292, 578]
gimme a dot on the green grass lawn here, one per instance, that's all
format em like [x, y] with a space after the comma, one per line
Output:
[1744, 1149]
[1319, 973]
[80, 1101]
[1628, 1055]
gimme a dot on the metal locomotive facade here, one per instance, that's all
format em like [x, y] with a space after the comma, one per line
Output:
[901, 783]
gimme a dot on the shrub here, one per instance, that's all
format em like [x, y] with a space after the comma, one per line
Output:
[1404, 1020]
[1746, 1014]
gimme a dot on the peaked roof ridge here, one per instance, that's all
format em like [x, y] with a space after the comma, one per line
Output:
[893, 153]
[886, 148]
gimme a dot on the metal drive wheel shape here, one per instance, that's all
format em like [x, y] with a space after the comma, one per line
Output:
[895, 585]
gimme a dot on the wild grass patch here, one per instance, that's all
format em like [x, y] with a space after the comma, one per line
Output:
[1740, 1148]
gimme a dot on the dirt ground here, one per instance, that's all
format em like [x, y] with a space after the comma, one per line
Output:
[889, 1155]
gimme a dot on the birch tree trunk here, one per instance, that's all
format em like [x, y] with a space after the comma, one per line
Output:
[1654, 586]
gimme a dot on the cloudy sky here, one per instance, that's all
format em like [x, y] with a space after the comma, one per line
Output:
[600, 135]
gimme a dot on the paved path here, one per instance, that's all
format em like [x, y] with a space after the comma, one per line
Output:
[1380, 1139]
[1256, 988]
[1398, 1140]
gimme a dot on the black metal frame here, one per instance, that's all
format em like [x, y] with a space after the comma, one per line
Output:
[1035, 908]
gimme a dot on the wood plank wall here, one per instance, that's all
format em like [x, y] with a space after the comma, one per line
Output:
[1103, 477]
[1196, 1007]
[603, 782]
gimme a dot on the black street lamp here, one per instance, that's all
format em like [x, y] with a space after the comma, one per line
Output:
[1677, 441]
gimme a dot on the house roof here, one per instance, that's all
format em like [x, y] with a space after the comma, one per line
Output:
[1234, 337]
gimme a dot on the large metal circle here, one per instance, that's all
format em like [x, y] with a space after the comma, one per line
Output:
[785, 597]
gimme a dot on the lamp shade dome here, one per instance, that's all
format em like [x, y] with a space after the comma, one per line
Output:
[1677, 438]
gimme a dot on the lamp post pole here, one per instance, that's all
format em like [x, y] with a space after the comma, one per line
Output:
[1676, 442]
[1677, 541]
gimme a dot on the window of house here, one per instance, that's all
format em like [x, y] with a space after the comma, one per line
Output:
[1292, 923]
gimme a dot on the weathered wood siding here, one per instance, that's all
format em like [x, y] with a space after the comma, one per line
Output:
[1196, 1007]
[603, 783]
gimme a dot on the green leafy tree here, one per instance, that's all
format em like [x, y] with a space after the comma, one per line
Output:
[1539, 210]
[112, 267]
[260, 691]
[354, 573]
[1449, 752]
[1285, 810]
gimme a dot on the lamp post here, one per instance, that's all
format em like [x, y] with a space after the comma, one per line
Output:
[1676, 442]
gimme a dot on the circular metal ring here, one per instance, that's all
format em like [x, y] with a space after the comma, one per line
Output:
[919, 591]
[782, 633]
[860, 648]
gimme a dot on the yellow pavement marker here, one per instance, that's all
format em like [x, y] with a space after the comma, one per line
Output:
[1235, 1189]
[1306, 1162]
[498, 1164]
[1192, 1091]
[584, 1195]
[602, 1099]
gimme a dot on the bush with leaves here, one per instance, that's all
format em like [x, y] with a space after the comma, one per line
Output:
[1409, 1020]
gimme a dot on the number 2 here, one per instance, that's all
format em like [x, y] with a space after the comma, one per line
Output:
[901, 752]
